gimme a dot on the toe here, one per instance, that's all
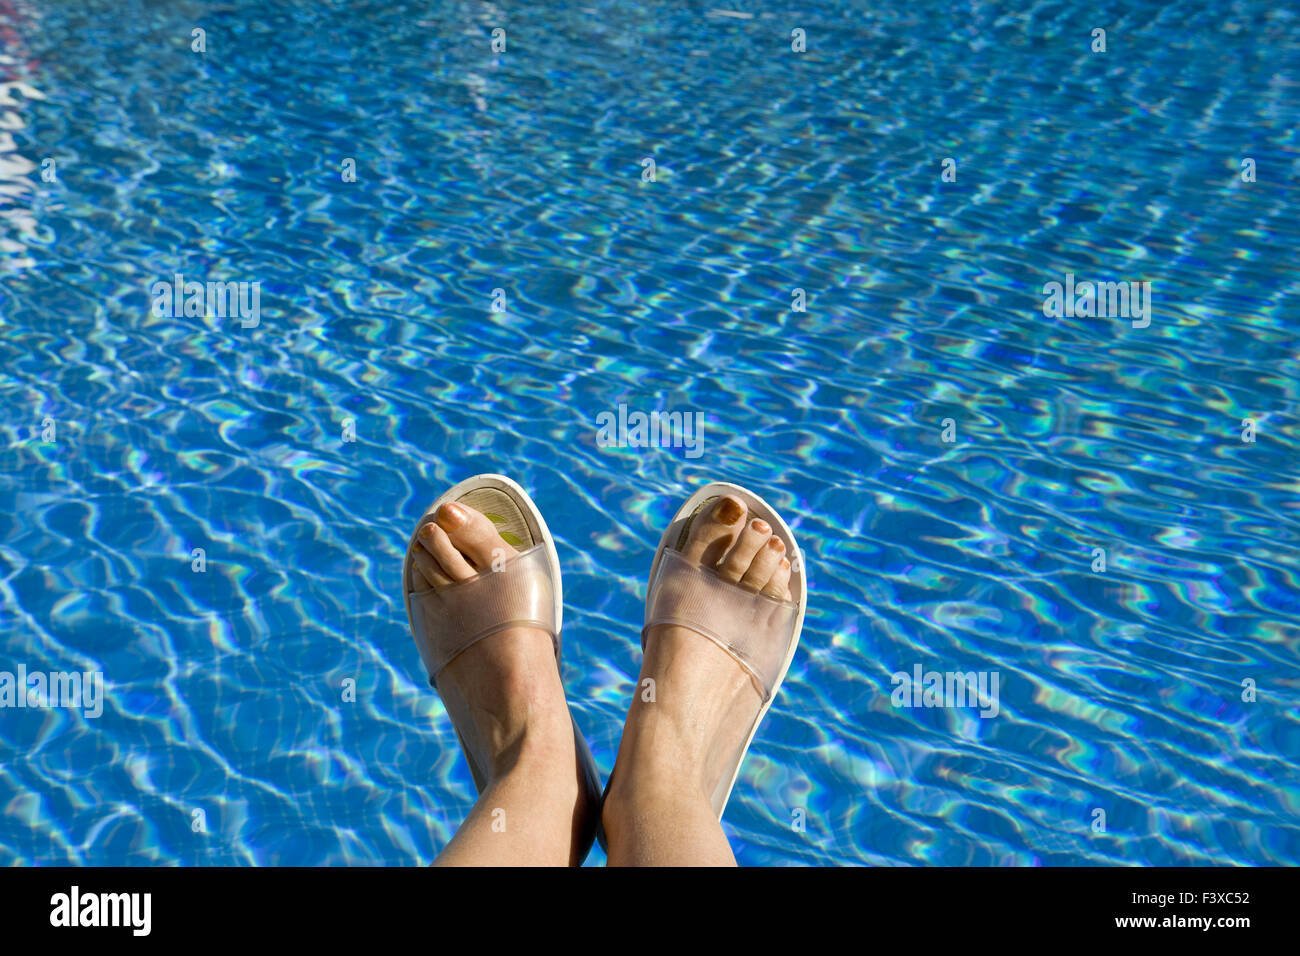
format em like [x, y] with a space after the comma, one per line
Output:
[451, 561]
[778, 585]
[764, 565]
[738, 559]
[473, 535]
[713, 532]
[425, 572]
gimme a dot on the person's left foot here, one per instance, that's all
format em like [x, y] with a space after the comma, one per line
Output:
[504, 693]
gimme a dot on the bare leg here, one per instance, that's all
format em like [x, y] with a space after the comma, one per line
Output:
[505, 697]
[676, 748]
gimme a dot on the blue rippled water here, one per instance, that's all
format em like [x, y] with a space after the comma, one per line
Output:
[128, 439]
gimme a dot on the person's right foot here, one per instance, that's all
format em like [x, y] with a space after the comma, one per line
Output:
[679, 746]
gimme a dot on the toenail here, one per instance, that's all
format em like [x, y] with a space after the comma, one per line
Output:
[776, 544]
[426, 531]
[785, 564]
[728, 511]
[761, 526]
[450, 516]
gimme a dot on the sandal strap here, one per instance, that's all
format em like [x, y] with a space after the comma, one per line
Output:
[753, 628]
[449, 620]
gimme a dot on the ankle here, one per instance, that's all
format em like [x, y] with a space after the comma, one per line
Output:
[540, 744]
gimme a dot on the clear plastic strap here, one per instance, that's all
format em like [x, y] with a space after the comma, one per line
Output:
[753, 628]
[449, 620]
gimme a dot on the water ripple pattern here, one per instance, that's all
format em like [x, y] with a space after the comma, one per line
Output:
[212, 513]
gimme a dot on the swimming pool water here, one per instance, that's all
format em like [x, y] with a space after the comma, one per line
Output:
[228, 734]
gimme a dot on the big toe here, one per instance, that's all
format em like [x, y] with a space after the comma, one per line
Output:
[714, 531]
[474, 536]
